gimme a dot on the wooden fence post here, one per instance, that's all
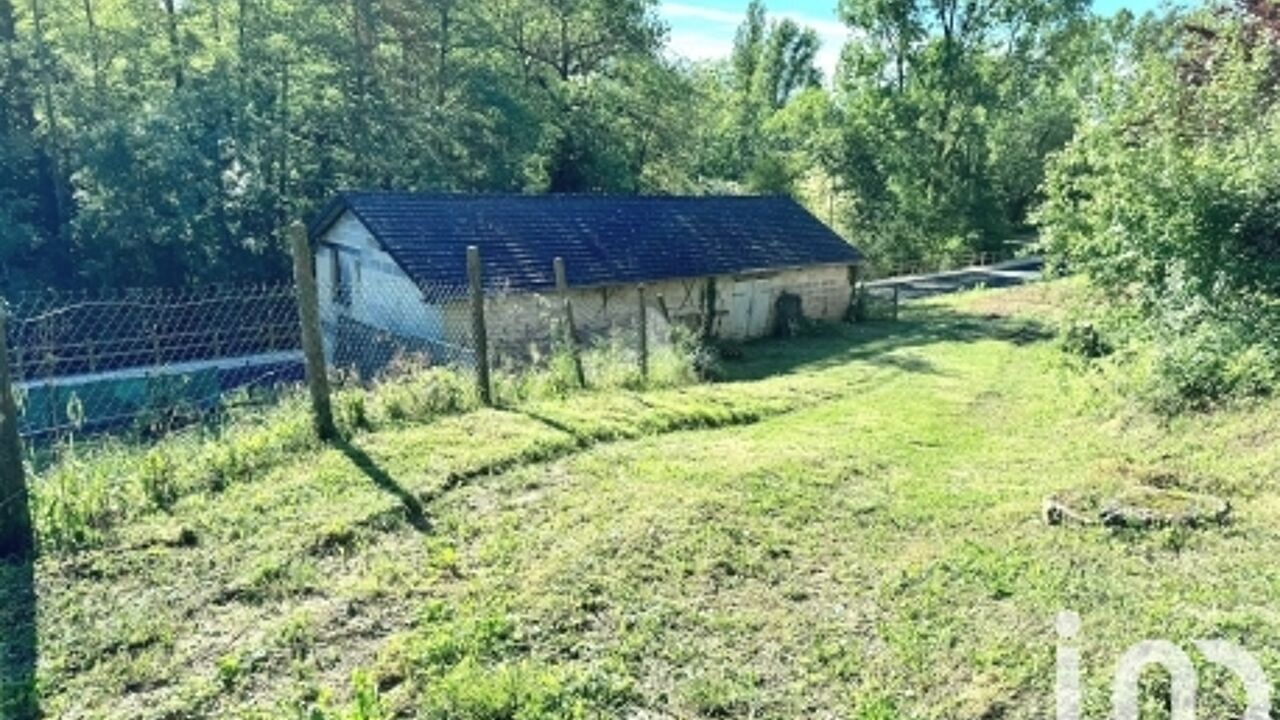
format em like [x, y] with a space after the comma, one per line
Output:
[16, 537]
[571, 327]
[479, 330]
[709, 311]
[897, 298]
[312, 338]
[644, 334]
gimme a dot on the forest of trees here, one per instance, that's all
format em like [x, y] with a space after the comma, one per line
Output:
[164, 142]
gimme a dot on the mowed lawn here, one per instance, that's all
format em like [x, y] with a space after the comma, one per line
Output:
[848, 528]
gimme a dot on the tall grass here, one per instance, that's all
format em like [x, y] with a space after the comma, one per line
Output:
[81, 492]
[611, 363]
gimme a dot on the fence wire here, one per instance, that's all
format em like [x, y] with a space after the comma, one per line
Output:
[877, 302]
[883, 270]
[374, 327]
[599, 327]
[147, 360]
[377, 326]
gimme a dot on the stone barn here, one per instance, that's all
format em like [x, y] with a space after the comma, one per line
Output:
[396, 262]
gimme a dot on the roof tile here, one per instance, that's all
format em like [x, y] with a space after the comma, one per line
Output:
[603, 240]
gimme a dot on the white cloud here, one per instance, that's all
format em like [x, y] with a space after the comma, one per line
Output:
[699, 46]
[695, 12]
[717, 42]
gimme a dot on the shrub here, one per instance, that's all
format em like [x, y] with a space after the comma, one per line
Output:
[1169, 202]
[1196, 366]
[1083, 339]
[75, 503]
[159, 477]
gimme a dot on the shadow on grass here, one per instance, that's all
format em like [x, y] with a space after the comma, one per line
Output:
[18, 649]
[414, 510]
[557, 425]
[874, 342]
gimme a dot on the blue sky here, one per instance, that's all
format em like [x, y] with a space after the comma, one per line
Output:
[703, 29]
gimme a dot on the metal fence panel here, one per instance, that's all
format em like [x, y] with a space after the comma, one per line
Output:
[147, 360]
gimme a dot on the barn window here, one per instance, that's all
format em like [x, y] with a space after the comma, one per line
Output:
[341, 283]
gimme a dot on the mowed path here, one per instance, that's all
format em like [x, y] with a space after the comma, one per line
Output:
[850, 529]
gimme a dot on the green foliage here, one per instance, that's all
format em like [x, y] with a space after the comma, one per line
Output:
[952, 108]
[167, 143]
[82, 493]
[76, 502]
[230, 670]
[159, 477]
[928, 145]
[1169, 202]
[610, 362]
[466, 659]
[638, 577]
[411, 394]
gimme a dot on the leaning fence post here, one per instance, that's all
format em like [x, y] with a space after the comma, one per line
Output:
[663, 309]
[16, 538]
[644, 335]
[479, 331]
[312, 339]
[571, 328]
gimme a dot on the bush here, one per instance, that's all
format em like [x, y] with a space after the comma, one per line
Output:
[1197, 365]
[1083, 339]
[1169, 202]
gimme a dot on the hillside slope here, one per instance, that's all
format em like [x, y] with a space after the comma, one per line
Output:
[850, 528]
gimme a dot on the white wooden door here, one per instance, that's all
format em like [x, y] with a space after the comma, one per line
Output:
[739, 321]
[761, 309]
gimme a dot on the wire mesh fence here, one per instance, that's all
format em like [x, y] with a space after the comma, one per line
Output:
[147, 360]
[612, 334]
[374, 327]
[905, 268]
[877, 302]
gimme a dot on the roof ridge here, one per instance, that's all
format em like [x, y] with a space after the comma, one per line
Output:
[448, 195]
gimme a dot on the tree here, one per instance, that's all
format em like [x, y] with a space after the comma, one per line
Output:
[1169, 204]
[771, 63]
[961, 102]
[166, 141]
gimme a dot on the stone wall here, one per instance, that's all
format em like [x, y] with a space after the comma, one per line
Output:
[745, 307]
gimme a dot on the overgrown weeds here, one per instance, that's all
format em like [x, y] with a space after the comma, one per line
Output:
[82, 491]
[1190, 358]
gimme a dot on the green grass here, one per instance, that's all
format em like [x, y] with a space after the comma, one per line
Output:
[848, 527]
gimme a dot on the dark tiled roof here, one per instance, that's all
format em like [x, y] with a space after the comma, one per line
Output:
[603, 240]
